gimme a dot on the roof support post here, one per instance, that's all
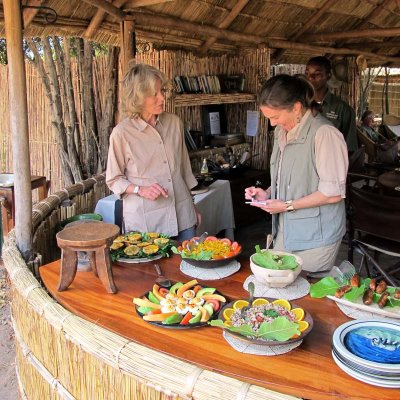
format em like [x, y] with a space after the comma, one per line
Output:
[128, 43]
[19, 126]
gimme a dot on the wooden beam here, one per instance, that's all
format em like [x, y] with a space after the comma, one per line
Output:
[128, 43]
[29, 13]
[275, 43]
[355, 34]
[238, 7]
[143, 3]
[308, 24]
[376, 12]
[158, 21]
[108, 8]
[98, 19]
[19, 126]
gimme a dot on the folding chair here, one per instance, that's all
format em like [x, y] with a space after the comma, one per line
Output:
[375, 219]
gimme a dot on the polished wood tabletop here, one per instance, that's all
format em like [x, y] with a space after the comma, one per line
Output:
[307, 371]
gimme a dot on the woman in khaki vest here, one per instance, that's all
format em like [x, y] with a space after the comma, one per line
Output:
[308, 174]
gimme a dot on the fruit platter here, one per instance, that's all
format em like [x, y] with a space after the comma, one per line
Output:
[365, 294]
[180, 306]
[266, 321]
[140, 247]
[210, 253]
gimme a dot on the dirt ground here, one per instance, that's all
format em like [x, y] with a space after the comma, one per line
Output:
[8, 378]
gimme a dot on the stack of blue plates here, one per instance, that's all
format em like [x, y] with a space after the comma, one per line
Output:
[369, 350]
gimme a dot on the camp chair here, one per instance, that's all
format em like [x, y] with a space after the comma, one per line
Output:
[371, 148]
[391, 126]
[375, 219]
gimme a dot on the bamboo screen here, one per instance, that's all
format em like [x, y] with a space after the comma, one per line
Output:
[377, 98]
[43, 145]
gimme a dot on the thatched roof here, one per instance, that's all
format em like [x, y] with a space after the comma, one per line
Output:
[297, 29]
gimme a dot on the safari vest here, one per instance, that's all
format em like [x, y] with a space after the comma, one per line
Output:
[306, 228]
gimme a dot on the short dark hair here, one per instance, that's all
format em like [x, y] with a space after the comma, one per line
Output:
[283, 91]
[322, 62]
[366, 114]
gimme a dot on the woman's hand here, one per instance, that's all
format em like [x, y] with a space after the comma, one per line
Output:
[198, 217]
[272, 206]
[152, 192]
[258, 194]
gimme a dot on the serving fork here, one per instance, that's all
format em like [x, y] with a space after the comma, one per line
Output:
[161, 280]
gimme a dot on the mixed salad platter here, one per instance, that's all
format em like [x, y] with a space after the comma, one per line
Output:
[211, 252]
[362, 293]
[140, 246]
[266, 321]
[182, 305]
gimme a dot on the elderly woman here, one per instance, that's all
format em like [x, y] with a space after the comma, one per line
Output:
[148, 164]
[387, 149]
[308, 174]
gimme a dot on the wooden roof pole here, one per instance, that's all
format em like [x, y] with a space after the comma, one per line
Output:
[238, 7]
[19, 126]
[128, 43]
[98, 19]
[308, 24]
[29, 13]
[354, 34]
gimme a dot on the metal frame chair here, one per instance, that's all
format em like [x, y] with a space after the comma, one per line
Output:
[375, 219]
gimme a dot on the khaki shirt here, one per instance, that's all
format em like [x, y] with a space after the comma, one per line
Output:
[331, 158]
[143, 155]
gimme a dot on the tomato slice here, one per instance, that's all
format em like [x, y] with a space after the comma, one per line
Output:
[238, 250]
[210, 239]
[196, 288]
[155, 311]
[184, 244]
[234, 245]
[226, 241]
[217, 257]
[215, 304]
[230, 254]
[188, 316]
[195, 238]
[163, 291]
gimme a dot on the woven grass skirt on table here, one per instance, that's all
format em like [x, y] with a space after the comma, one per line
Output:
[60, 355]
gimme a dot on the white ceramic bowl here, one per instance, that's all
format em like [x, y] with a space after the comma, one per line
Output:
[277, 278]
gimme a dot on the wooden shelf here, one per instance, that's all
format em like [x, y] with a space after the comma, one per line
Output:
[187, 100]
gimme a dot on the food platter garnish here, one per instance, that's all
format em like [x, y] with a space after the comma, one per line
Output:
[140, 245]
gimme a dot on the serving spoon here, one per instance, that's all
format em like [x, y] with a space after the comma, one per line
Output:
[250, 289]
[161, 280]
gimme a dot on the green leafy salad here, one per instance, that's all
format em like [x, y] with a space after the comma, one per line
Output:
[266, 259]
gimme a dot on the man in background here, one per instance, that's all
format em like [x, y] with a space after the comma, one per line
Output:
[343, 117]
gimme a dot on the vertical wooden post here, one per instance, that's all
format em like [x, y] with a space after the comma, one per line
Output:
[128, 43]
[19, 126]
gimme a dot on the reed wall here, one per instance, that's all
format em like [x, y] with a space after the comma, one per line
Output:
[45, 160]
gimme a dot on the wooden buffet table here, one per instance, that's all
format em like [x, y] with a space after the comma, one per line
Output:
[307, 371]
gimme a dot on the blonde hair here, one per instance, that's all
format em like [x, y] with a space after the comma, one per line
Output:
[139, 83]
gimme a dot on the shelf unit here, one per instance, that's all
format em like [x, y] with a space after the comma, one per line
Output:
[201, 99]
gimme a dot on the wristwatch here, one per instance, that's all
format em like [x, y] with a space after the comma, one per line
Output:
[136, 189]
[289, 206]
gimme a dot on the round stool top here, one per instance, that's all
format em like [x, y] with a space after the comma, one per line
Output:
[88, 234]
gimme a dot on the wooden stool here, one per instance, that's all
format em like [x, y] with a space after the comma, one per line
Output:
[95, 238]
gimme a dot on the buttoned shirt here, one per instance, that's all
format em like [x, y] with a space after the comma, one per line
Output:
[342, 117]
[330, 156]
[141, 154]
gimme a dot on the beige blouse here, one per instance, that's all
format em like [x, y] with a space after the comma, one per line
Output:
[331, 157]
[144, 155]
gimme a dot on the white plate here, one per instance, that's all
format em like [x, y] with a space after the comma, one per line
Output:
[339, 346]
[392, 312]
[365, 379]
[139, 260]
